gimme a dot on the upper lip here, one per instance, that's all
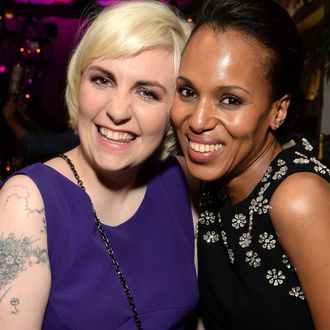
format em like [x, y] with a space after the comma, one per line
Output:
[203, 139]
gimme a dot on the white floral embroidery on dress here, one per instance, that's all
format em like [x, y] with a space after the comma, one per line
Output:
[297, 292]
[224, 238]
[267, 240]
[263, 189]
[259, 205]
[287, 263]
[252, 258]
[211, 237]
[231, 255]
[301, 161]
[267, 174]
[275, 277]
[306, 144]
[206, 218]
[239, 220]
[319, 167]
[280, 173]
[245, 240]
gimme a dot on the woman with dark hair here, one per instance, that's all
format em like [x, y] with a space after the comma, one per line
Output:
[263, 233]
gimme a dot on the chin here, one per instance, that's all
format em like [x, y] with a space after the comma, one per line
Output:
[203, 172]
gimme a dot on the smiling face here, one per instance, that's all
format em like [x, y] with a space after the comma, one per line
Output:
[124, 107]
[222, 109]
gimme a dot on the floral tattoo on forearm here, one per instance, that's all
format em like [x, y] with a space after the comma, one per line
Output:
[19, 253]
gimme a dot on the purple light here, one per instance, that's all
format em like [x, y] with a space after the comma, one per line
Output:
[108, 3]
[3, 68]
[30, 81]
[44, 2]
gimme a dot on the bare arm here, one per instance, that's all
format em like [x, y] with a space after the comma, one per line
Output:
[301, 215]
[24, 264]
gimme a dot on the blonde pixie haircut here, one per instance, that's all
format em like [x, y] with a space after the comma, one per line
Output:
[126, 29]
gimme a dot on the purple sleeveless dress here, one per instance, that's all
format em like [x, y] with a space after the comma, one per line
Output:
[154, 248]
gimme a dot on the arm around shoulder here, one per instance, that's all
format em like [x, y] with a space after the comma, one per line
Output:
[24, 264]
[300, 213]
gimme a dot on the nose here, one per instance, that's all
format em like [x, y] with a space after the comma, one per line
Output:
[202, 119]
[119, 109]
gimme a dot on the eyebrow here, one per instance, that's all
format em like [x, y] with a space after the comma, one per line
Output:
[219, 88]
[150, 83]
[102, 71]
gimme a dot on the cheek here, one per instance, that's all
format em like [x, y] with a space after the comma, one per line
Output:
[154, 121]
[177, 112]
[90, 103]
[245, 126]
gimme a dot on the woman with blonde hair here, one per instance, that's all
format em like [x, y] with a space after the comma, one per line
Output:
[102, 237]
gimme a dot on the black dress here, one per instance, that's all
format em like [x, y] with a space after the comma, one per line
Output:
[246, 280]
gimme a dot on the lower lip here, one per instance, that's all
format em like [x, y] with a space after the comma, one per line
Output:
[203, 157]
[113, 145]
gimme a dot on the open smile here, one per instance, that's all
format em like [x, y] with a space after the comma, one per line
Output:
[204, 147]
[119, 137]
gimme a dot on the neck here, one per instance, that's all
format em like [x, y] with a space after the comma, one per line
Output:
[115, 195]
[241, 185]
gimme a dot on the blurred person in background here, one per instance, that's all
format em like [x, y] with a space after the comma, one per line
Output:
[33, 138]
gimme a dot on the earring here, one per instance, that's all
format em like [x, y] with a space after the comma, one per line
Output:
[277, 125]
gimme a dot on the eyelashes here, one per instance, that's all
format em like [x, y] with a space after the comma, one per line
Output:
[102, 81]
[186, 92]
[145, 93]
[231, 100]
[224, 100]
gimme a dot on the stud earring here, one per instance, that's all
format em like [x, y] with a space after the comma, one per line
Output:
[277, 125]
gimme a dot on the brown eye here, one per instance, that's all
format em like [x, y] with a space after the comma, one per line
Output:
[186, 92]
[231, 100]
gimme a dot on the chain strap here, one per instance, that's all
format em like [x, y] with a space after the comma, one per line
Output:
[108, 247]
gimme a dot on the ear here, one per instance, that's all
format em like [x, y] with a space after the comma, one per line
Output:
[279, 110]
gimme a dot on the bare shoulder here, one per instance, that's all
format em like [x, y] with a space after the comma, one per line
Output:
[301, 197]
[21, 204]
[24, 255]
[300, 213]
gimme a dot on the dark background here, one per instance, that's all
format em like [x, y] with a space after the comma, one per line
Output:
[51, 25]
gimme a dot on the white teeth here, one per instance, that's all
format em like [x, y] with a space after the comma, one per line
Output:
[199, 147]
[116, 136]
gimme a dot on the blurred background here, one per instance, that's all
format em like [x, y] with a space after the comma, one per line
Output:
[37, 36]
